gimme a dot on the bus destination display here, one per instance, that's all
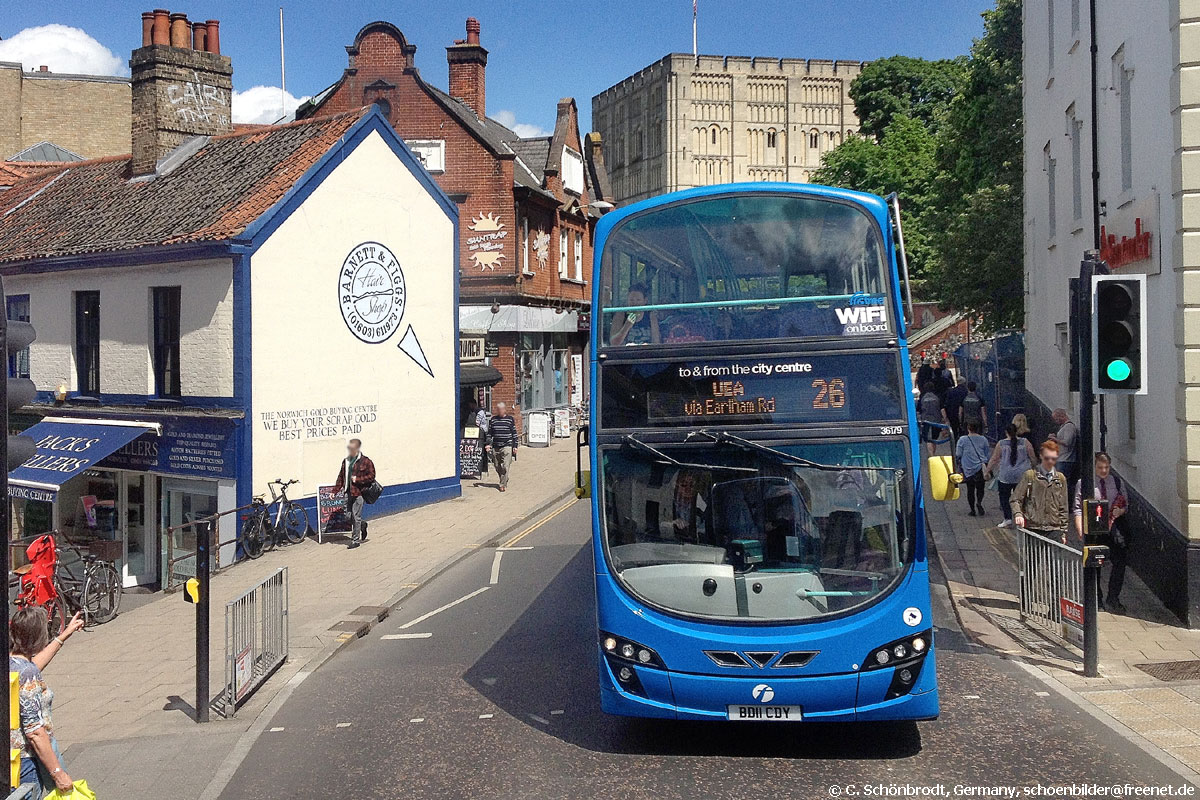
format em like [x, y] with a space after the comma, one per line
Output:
[813, 389]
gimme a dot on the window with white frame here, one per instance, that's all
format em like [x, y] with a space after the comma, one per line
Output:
[1122, 81]
[562, 254]
[572, 167]
[1075, 134]
[525, 246]
[432, 153]
[1051, 191]
[578, 256]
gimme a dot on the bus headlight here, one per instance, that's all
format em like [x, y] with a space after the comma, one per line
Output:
[898, 653]
[623, 649]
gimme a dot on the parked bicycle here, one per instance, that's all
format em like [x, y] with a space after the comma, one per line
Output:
[50, 581]
[263, 530]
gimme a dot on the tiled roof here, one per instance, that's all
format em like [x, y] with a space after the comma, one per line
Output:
[214, 195]
[533, 151]
[13, 171]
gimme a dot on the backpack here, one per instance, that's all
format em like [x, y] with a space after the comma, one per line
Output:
[972, 408]
[931, 407]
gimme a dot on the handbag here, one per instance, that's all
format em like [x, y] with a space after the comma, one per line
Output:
[993, 484]
[371, 492]
[79, 791]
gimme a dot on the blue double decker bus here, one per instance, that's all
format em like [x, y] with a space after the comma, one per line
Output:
[757, 514]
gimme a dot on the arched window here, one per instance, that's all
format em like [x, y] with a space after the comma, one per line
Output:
[814, 140]
[771, 138]
[714, 135]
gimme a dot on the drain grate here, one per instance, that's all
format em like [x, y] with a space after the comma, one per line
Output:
[1172, 670]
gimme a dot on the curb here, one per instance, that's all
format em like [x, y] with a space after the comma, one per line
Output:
[1075, 698]
[224, 774]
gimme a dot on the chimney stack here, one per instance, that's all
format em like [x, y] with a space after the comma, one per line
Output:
[181, 86]
[595, 146]
[468, 62]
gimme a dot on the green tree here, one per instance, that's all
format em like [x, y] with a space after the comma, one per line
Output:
[904, 86]
[975, 207]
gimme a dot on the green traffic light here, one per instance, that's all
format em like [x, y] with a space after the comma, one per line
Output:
[1118, 370]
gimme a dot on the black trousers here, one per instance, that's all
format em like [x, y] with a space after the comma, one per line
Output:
[1118, 559]
[975, 485]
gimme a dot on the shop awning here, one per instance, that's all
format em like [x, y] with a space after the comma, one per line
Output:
[478, 374]
[66, 447]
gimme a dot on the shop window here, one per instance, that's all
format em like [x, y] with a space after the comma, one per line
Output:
[525, 246]
[17, 306]
[166, 340]
[87, 342]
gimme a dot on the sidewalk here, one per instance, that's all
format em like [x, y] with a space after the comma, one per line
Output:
[124, 692]
[981, 563]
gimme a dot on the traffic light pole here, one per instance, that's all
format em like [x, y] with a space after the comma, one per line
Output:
[203, 541]
[1083, 451]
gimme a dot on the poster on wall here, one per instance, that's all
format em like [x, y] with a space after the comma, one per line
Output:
[470, 455]
[331, 511]
[577, 379]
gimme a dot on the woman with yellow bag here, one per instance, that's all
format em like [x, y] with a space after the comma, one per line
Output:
[32, 650]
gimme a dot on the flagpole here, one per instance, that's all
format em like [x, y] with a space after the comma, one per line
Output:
[695, 50]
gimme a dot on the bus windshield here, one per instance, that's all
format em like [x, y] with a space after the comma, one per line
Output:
[744, 266]
[719, 529]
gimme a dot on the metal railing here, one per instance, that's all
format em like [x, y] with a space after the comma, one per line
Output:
[1051, 577]
[181, 563]
[256, 639]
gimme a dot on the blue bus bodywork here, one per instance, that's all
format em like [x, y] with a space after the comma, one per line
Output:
[828, 668]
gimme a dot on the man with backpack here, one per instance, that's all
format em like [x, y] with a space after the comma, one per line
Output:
[973, 409]
[933, 417]
[357, 477]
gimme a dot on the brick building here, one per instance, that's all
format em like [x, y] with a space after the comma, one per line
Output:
[527, 205]
[87, 115]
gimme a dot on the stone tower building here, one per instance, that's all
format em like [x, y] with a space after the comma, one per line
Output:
[685, 121]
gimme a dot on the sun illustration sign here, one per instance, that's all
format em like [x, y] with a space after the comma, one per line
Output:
[372, 297]
[487, 244]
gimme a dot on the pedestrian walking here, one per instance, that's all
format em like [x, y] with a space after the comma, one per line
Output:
[502, 433]
[933, 417]
[357, 473]
[924, 373]
[1022, 423]
[32, 650]
[973, 409]
[1011, 458]
[943, 380]
[971, 453]
[1109, 488]
[1067, 437]
[954, 400]
[1039, 503]
[481, 425]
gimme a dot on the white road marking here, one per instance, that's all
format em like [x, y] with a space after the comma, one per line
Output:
[556, 712]
[507, 549]
[417, 719]
[451, 604]
[486, 716]
[406, 636]
[970, 697]
[344, 724]
[542, 720]
[1042, 694]
[490, 681]
[496, 567]
[275, 730]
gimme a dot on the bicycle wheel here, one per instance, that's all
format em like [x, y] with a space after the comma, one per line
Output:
[56, 616]
[252, 537]
[101, 594]
[295, 523]
[270, 536]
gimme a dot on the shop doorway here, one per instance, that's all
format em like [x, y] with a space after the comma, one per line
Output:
[186, 501]
[105, 511]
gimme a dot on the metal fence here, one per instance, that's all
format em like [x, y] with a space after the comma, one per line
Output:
[256, 639]
[1051, 586]
[179, 547]
[997, 366]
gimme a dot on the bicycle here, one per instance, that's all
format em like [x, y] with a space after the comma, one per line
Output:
[97, 593]
[261, 533]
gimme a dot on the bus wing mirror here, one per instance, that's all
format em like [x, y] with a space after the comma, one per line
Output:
[943, 480]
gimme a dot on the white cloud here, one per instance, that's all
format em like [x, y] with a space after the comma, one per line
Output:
[262, 104]
[523, 129]
[62, 49]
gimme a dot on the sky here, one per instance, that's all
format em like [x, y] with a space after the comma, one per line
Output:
[539, 50]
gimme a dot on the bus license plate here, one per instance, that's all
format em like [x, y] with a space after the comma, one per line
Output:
[764, 713]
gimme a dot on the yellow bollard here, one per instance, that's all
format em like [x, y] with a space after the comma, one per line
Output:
[14, 720]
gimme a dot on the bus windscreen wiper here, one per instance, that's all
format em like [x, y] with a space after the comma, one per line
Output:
[640, 446]
[721, 436]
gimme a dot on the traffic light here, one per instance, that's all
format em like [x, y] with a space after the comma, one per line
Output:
[1119, 334]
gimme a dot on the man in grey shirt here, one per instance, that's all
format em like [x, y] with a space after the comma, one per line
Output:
[1067, 437]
